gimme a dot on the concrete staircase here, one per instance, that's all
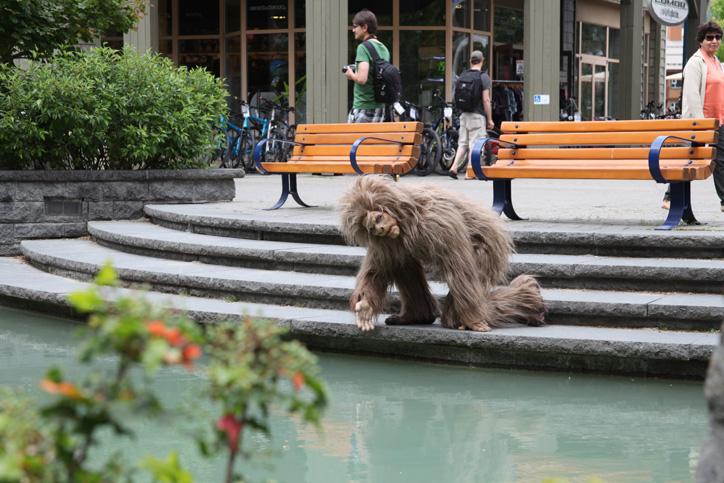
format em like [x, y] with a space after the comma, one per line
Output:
[598, 286]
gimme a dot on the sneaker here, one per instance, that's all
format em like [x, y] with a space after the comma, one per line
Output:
[452, 174]
[722, 207]
[667, 205]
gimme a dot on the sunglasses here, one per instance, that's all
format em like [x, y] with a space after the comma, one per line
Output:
[710, 37]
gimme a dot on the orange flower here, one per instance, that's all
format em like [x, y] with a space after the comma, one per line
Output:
[298, 380]
[174, 336]
[156, 327]
[191, 352]
[63, 388]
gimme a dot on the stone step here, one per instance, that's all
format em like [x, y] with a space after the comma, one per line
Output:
[220, 219]
[640, 352]
[553, 271]
[80, 259]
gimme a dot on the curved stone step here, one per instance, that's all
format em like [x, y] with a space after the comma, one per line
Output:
[554, 238]
[553, 271]
[80, 259]
[642, 352]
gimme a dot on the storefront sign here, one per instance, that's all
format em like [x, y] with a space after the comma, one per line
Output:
[541, 99]
[669, 12]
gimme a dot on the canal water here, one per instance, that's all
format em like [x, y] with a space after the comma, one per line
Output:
[395, 421]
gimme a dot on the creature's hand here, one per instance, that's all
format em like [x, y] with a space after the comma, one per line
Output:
[363, 313]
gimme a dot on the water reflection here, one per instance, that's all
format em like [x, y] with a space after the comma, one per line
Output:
[400, 421]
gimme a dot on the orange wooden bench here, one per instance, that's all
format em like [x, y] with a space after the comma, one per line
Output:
[670, 151]
[387, 147]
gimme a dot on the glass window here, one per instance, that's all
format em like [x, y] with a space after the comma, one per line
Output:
[481, 42]
[461, 53]
[593, 40]
[165, 47]
[613, 88]
[422, 65]
[586, 101]
[599, 92]
[300, 81]
[508, 26]
[614, 43]
[461, 13]
[165, 25]
[232, 65]
[198, 18]
[267, 65]
[381, 8]
[267, 14]
[200, 53]
[676, 83]
[232, 16]
[300, 16]
[422, 12]
[481, 15]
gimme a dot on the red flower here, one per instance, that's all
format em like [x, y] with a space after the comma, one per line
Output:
[298, 380]
[232, 428]
[156, 328]
[174, 336]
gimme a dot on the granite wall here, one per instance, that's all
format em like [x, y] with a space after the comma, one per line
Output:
[58, 204]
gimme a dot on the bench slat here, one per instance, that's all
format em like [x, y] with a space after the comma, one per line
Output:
[342, 159]
[361, 129]
[611, 126]
[618, 138]
[588, 172]
[398, 167]
[597, 164]
[348, 139]
[606, 153]
[364, 150]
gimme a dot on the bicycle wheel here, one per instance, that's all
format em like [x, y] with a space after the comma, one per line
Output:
[291, 134]
[275, 151]
[430, 152]
[246, 150]
[449, 147]
[231, 153]
[215, 156]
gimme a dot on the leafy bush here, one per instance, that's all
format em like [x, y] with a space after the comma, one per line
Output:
[105, 109]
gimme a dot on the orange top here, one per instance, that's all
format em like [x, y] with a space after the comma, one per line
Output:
[714, 97]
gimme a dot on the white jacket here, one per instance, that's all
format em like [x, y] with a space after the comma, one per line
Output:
[694, 89]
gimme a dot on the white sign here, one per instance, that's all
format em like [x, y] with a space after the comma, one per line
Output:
[519, 67]
[669, 12]
[541, 99]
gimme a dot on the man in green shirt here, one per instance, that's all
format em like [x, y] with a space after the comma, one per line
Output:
[364, 107]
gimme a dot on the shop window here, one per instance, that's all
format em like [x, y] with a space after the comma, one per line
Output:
[614, 43]
[422, 65]
[461, 14]
[200, 53]
[461, 53]
[381, 8]
[300, 74]
[481, 15]
[508, 26]
[593, 40]
[300, 16]
[267, 66]
[165, 24]
[422, 12]
[198, 18]
[232, 66]
[613, 91]
[165, 48]
[112, 39]
[267, 14]
[232, 16]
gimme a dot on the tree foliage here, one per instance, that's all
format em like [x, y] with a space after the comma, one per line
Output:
[36, 28]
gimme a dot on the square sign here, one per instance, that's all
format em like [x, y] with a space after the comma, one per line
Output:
[541, 99]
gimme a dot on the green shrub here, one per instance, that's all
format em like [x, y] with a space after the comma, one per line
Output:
[105, 109]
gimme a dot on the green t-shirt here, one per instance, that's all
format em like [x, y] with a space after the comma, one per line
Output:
[364, 95]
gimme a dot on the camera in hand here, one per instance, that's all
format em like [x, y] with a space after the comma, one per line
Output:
[351, 66]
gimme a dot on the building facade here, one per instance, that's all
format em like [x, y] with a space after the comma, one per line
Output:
[607, 55]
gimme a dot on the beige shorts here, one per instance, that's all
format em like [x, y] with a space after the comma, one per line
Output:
[473, 126]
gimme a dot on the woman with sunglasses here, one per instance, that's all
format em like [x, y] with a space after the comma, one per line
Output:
[703, 94]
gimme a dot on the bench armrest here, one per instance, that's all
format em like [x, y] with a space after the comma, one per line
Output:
[356, 144]
[258, 148]
[476, 155]
[655, 151]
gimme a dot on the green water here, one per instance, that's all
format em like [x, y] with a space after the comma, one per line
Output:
[393, 421]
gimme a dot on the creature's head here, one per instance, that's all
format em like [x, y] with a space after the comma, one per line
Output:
[375, 207]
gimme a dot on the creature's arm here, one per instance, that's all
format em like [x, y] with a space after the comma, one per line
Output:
[369, 294]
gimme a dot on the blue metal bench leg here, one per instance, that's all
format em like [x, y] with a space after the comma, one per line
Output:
[680, 206]
[289, 186]
[503, 200]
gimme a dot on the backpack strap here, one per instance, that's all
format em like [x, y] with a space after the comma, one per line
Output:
[372, 50]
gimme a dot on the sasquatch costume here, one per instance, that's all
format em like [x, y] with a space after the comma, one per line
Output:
[408, 227]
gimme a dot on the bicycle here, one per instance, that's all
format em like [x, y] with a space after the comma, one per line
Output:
[446, 127]
[431, 146]
[225, 135]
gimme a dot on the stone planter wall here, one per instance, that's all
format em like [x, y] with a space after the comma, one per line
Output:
[58, 204]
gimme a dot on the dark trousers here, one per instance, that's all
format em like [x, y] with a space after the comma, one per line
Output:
[718, 174]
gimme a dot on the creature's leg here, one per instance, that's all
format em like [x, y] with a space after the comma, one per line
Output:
[466, 306]
[369, 294]
[419, 306]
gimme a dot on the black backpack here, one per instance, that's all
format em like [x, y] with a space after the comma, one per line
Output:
[387, 80]
[468, 89]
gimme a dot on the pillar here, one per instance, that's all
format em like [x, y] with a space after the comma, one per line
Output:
[145, 36]
[326, 54]
[631, 67]
[542, 59]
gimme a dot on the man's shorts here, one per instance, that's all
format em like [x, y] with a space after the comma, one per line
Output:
[366, 115]
[472, 127]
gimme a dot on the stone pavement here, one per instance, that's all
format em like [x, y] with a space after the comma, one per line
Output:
[598, 211]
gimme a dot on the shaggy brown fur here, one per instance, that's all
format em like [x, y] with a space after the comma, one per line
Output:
[467, 244]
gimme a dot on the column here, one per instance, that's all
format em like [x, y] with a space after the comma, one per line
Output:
[657, 63]
[326, 54]
[146, 34]
[542, 57]
[631, 67]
